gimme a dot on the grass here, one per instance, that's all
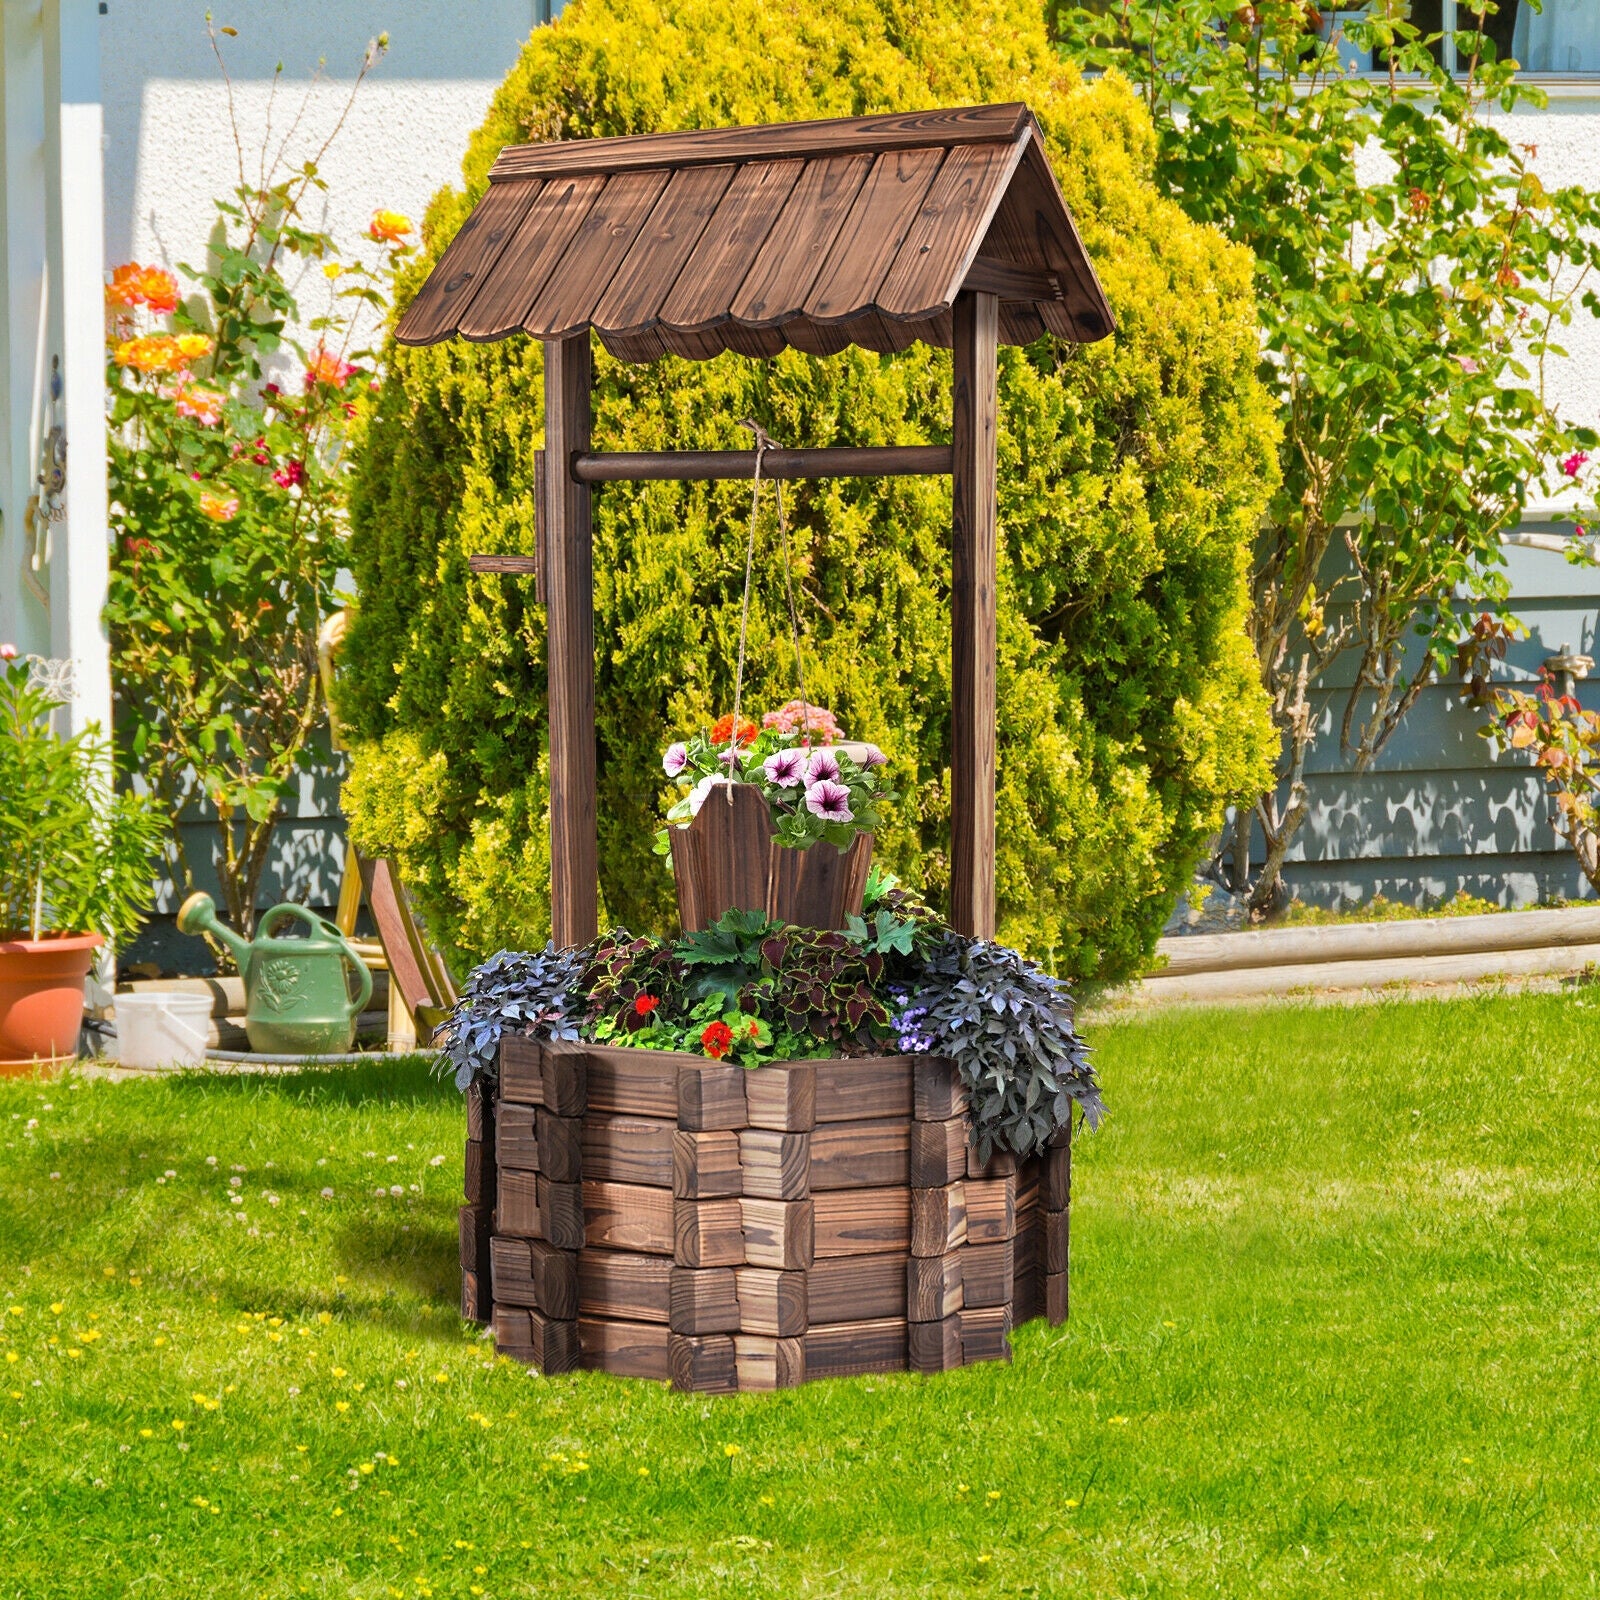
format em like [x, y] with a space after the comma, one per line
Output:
[1334, 1322]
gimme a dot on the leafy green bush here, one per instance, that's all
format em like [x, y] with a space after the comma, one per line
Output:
[73, 858]
[1132, 474]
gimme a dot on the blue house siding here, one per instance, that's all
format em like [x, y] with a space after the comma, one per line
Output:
[1440, 812]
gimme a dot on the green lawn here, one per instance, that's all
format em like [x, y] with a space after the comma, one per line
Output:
[1336, 1279]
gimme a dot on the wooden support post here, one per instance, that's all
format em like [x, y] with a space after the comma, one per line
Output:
[972, 601]
[569, 591]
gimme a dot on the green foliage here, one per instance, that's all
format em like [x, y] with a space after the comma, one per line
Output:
[1414, 275]
[228, 509]
[1132, 475]
[74, 858]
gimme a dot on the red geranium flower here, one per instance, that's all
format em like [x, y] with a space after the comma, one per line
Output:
[722, 730]
[644, 1005]
[717, 1039]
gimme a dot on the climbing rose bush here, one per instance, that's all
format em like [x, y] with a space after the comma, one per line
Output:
[228, 508]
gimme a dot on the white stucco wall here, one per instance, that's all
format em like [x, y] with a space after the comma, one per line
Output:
[169, 149]
[1566, 137]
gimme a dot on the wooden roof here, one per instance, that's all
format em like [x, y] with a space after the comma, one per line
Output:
[859, 230]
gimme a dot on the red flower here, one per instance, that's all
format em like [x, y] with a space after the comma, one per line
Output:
[722, 730]
[644, 1005]
[717, 1039]
[289, 474]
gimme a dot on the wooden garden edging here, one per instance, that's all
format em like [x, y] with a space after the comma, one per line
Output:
[662, 1216]
[1372, 956]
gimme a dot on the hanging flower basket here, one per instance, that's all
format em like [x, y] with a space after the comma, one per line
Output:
[774, 821]
[729, 858]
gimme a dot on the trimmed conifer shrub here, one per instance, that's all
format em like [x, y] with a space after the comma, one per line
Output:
[1132, 475]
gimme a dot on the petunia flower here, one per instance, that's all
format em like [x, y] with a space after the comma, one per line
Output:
[872, 756]
[697, 795]
[823, 767]
[675, 759]
[785, 768]
[830, 801]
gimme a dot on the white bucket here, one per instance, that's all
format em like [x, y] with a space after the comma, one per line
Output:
[162, 1030]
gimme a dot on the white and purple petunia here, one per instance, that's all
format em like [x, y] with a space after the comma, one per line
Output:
[830, 801]
[823, 767]
[872, 756]
[702, 791]
[786, 769]
[675, 760]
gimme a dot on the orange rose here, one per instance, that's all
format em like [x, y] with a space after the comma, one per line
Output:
[387, 227]
[219, 507]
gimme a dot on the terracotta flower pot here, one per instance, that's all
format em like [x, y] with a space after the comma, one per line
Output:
[41, 999]
[729, 857]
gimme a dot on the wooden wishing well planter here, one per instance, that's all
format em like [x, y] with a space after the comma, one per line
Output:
[658, 1215]
[666, 1215]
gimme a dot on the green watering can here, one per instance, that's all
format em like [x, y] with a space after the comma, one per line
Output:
[297, 992]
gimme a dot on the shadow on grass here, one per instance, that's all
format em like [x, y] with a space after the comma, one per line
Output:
[409, 1078]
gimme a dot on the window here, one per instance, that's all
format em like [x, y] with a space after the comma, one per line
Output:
[1562, 38]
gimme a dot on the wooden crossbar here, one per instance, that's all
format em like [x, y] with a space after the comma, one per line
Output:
[622, 466]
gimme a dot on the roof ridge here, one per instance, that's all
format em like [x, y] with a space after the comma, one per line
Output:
[893, 130]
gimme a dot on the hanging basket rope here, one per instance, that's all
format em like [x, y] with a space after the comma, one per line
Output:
[764, 442]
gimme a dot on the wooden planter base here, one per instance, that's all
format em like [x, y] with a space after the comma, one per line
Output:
[662, 1216]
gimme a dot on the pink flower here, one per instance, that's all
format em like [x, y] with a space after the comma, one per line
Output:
[872, 756]
[823, 767]
[1574, 462]
[830, 801]
[785, 768]
[798, 716]
[675, 760]
[1468, 365]
[289, 474]
[326, 367]
[8, 652]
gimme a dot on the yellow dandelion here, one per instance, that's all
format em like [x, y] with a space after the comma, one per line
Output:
[11, 1355]
[138, 1283]
[1117, 1422]
[983, 1560]
[161, 1338]
[324, 1317]
[644, 1472]
[179, 1424]
[731, 1450]
[1072, 1505]
[480, 1570]
[359, 1387]
[366, 1467]
[768, 1500]
[332, 269]
[341, 1405]
[57, 1307]
[147, 1433]
[108, 1272]
[74, 1354]
[338, 1511]
[15, 1311]
[338, 1372]
[440, 1377]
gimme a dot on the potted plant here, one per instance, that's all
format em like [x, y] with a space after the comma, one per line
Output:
[75, 867]
[776, 818]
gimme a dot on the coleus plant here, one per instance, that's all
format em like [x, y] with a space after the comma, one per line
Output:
[817, 785]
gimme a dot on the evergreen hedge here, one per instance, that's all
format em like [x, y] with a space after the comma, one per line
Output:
[1132, 475]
